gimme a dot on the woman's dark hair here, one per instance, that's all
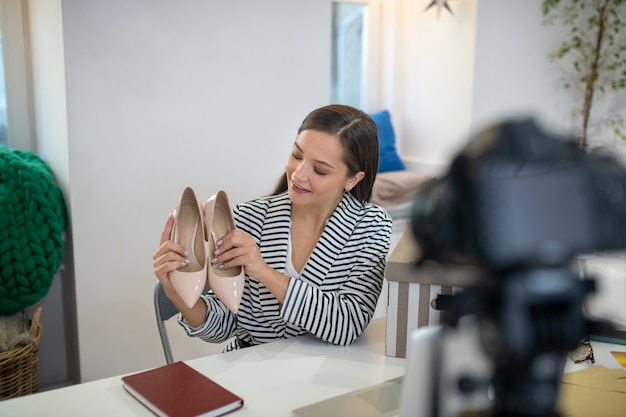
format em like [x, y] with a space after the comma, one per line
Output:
[358, 135]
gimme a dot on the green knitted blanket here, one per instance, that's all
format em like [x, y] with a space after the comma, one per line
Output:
[32, 218]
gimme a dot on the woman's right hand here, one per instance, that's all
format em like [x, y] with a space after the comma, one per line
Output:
[168, 257]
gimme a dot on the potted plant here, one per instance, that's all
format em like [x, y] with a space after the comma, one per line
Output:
[32, 219]
[594, 51]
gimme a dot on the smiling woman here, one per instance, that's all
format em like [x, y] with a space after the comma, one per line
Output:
[313, 251]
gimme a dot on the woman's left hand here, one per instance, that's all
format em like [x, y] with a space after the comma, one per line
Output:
[237, 248]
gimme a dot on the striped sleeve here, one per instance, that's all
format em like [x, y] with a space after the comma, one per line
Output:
[219, 325]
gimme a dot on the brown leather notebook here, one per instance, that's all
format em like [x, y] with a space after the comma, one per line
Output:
[177, 390]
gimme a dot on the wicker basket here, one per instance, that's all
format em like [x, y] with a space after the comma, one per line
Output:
[19, 371]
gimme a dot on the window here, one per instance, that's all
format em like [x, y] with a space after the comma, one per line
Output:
[4, 131]
[348, 50]
[355, 52]
[16, 101]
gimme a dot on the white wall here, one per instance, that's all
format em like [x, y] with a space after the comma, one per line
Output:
[161, 95]
[514, 76]
[428, 79]
[449, 75]
[58, 356]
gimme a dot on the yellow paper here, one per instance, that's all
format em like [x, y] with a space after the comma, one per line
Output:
[596, 391]
[620, 356]
[579, 401]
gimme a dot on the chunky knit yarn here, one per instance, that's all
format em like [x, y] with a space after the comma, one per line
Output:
[32, 218]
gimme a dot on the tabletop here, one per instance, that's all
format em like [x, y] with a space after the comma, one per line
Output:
[273, 379]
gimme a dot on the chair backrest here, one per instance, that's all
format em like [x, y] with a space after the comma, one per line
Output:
[164, 310]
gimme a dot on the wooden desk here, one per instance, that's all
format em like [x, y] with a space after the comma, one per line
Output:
[273, 379]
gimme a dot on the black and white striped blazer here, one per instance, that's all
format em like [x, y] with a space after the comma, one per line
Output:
[336, 294]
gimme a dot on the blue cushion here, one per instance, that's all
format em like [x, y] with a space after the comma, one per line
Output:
[389, 159]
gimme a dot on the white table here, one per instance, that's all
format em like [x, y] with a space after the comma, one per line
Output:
[273, 379]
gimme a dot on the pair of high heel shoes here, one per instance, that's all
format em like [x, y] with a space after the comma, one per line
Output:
[193, 228]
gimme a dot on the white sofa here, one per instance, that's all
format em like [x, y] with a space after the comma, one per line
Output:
[395, 192]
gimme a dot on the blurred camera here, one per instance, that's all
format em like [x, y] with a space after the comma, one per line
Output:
[521, 204]
[519, 196]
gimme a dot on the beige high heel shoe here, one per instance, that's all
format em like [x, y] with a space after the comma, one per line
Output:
[227, 284]
[188, 230]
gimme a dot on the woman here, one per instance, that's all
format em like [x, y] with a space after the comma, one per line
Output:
[313, 251]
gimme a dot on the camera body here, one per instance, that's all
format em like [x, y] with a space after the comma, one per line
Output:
[516, 196]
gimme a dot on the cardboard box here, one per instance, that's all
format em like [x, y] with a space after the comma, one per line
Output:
[412, 287]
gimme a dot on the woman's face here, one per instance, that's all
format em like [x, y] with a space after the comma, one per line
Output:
[316, 172]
